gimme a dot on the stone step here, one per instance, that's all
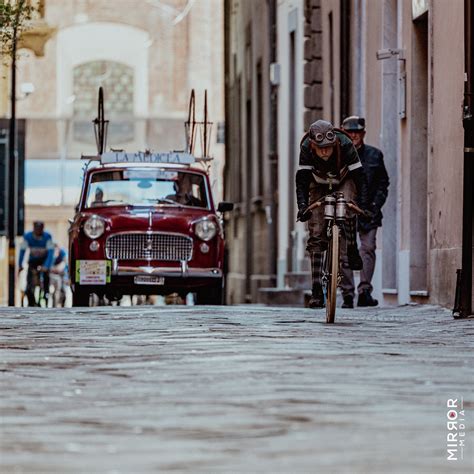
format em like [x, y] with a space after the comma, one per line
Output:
[298, 280]
[281, 296]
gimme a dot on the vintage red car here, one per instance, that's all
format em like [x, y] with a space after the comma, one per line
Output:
[146, 224]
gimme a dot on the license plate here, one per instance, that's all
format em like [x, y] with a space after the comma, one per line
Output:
[93, 272]
[149, 280]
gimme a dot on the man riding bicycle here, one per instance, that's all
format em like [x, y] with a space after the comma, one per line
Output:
[328, 163]
[41, 249]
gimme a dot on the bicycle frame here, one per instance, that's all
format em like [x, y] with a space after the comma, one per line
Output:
[335, 209]
[38, 282]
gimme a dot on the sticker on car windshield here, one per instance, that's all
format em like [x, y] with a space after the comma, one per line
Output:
[151, 174]
[93, 272]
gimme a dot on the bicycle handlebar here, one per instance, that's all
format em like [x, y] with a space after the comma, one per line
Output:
[316, 204]
[350, 204]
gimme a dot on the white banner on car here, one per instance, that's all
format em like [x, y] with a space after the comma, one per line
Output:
[178, 158]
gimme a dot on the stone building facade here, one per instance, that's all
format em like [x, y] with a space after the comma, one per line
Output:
[251, 164]
[391, 61]
[33, 39]
[148, 56]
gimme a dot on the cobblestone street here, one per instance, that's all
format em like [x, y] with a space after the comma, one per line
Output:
[232, 389]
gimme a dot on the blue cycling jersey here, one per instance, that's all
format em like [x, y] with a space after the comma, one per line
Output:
[61, 257]
[41, 249]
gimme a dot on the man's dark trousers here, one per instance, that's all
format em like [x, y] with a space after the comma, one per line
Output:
[367, 252]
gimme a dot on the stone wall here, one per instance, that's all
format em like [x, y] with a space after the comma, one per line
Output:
[169, 57]
[313, 68]
[249, 185]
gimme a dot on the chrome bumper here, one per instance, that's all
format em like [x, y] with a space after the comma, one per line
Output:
[178, 272]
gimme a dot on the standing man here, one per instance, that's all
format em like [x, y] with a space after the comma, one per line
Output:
[377, 185]
[328, 163]
[41, 247]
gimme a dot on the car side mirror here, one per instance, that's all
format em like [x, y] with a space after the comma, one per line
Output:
[225, 206]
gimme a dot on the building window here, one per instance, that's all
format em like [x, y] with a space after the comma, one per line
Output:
[118, 83]
[53, 182]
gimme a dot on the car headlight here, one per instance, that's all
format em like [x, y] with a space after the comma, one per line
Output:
[94, 227]
[206, 229]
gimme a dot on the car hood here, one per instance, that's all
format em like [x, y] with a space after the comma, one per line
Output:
[158, 219]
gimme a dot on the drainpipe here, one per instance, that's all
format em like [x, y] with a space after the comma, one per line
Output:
[345, 51]
[227, 134]
[463, 298]
[273, 148]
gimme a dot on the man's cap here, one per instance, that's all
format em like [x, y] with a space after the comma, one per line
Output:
[354, 123]
[38, 224]
[322, 133]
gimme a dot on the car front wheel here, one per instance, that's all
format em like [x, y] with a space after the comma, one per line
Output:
[211, 295]
[80, 297]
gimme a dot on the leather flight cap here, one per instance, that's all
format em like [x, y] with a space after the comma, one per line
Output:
[354, 124]
[322, 133]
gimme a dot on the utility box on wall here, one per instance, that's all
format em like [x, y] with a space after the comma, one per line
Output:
[3, 180]
[20, 176]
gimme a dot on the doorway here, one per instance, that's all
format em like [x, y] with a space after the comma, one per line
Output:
[419, 161]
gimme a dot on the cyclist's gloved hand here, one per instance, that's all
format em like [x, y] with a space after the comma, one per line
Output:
[304, 214]
[363, 204]
[369, 214]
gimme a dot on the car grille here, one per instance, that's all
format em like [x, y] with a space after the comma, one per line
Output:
[168, 247]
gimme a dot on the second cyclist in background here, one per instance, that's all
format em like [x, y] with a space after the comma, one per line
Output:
[59, 276]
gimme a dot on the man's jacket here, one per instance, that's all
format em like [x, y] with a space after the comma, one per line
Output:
[344, 163]
[41, 249]
[377, 184]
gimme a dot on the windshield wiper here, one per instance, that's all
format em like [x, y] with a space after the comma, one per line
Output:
[101, 203]
[165, 200]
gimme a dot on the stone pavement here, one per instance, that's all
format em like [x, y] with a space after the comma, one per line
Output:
[232, 389]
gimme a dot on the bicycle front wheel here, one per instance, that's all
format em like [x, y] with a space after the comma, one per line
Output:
[333, 267]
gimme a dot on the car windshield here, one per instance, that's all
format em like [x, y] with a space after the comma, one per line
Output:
[147, 187]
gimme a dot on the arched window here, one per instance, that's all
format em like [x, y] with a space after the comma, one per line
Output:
[118, 83]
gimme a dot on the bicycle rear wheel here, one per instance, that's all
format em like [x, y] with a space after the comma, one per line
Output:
[333, 267]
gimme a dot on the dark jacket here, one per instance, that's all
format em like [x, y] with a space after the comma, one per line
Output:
[377, 185]
[343, 164]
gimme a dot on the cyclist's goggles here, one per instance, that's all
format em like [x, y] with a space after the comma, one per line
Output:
[327, 137]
